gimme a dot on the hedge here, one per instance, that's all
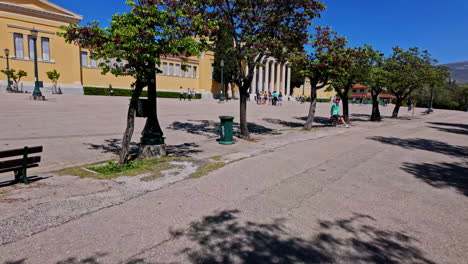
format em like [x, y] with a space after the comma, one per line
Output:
[128, 92]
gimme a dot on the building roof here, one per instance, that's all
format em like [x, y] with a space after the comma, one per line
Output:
[360, 86]
[41, 9]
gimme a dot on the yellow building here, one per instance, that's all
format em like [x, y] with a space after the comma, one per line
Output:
[76, 68]
[305, 90]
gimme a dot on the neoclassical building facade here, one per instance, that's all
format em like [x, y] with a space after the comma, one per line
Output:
[273, 76]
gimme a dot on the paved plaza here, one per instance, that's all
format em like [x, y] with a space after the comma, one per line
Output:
[388, 192]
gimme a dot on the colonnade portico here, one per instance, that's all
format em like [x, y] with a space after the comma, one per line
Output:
[274, 76]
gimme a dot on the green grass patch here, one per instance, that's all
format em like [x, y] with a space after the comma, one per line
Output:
[216, 158]
[111, 170]
[206, 169]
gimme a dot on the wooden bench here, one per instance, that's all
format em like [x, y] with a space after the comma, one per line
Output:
[19, 166]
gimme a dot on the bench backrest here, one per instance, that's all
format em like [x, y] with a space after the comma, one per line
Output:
[20, 152]
[8, 165]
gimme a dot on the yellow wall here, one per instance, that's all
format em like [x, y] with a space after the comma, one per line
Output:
[66, 58]
[63, 57]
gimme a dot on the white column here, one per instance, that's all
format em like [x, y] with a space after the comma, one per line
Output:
[267, 75]
[254, 81]
[272, 76]
[283, 79]
[277, 84]
[260, 78]
[288, 81]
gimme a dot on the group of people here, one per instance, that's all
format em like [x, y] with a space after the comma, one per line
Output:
[264, 97]
[190, 94]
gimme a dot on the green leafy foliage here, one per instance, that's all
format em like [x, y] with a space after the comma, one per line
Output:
[410, 71]
[16, 76]
[54, 76]
[258, 29]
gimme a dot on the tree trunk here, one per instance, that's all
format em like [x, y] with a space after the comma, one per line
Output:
[243, 116]
[127, 138]
[397, 107]
[313, 105]
[375, 116]
[345, 101]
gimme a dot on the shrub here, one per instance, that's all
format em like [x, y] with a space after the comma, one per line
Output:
[128, 92]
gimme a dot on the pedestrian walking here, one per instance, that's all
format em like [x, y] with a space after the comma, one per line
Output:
[275, 98]
[194, 94]
[189, 94]
[181, 94]
[280, 99]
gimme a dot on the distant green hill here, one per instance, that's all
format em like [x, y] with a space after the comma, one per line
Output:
[459, 71]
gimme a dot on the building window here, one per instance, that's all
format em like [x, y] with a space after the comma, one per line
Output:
[92, 61]
[31, 48]
[164, 68]
[183, 72]
[171, 69]
[354, 90]
[84, 59]
[189, 71]
[362, 90]
[19, 47]
[194, 71]
[177, 69]
[45, 45]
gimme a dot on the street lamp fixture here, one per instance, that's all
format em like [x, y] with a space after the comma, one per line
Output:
[37, 84]
[221, 98]
[7, 54]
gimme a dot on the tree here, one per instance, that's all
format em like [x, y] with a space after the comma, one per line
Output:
[221, 48]
[376, 79]
[354, 66]
[408, 71]
[259, 28]
[54, 76]
[15, 76]
[319, 64]
[138, 39]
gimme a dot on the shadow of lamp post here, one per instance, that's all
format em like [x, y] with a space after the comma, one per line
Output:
[37, 95]
[7, 55]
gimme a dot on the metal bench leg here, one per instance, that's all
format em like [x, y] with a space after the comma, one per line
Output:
[17, 176]
[24, 175]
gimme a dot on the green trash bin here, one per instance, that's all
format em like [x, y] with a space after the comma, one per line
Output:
[226, 130]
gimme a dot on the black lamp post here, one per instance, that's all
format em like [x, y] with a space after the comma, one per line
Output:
[221, 98]
[37, 84]
[7, 54]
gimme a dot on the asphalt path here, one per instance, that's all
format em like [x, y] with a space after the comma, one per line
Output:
[390, 193]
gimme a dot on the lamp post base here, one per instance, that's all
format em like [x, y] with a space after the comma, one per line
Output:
[37, 98]
[152, 151]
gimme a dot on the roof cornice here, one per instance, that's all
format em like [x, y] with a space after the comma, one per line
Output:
[34, 12]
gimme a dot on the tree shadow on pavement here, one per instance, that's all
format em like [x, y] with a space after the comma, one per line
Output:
[442, 175]
[183, 150]
[425, 144]
[211, 129]
[461, 129]
[284, 123]
[113, 146]
[223, 238]
[318, 119]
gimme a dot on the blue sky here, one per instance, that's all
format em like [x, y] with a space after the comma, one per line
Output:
[438, 26]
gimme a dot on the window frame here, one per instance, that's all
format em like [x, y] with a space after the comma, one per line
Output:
[81, 58]
[15, 46]
[42, 48]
